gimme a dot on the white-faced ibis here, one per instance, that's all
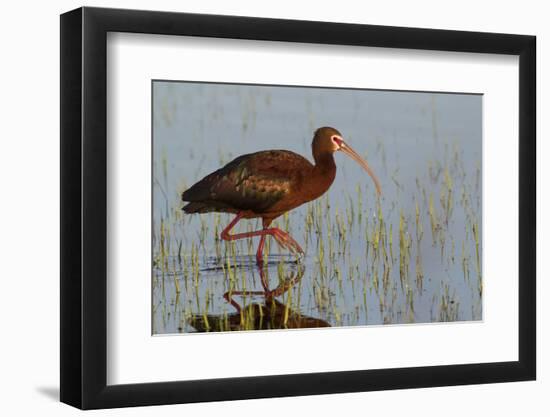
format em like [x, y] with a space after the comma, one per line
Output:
[267, 184]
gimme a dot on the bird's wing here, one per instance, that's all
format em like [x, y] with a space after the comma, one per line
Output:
[251, 182]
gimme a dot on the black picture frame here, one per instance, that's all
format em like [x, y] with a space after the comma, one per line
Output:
[84, 207]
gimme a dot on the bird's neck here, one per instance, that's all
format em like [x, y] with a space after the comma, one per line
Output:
[324, 162]
[321, 177]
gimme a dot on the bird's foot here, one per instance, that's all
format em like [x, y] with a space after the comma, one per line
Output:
[286, 241]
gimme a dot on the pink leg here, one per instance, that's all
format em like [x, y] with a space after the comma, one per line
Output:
[266, 293]
[259, 253]
[282, 238]
[229, 297]
[263, 279]
[286, 241]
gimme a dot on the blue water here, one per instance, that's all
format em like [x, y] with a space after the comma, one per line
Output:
[420, 145]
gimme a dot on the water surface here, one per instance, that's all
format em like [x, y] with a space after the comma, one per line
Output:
[412, 256]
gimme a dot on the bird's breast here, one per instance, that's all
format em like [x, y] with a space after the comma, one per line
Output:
[305, 188]
[318, 183]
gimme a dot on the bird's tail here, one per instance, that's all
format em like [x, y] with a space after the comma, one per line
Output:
[196, 207]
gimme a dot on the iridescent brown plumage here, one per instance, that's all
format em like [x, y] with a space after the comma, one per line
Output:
[267, 184]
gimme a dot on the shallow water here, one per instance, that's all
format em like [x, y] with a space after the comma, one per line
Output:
[414, 256]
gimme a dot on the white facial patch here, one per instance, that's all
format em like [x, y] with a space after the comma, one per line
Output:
[337, 141]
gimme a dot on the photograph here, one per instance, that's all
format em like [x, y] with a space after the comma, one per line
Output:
[279, 207]
[247, 208]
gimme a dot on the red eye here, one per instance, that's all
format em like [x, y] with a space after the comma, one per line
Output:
[337, 140]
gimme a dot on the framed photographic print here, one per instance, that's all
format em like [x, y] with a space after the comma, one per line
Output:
[258, 207]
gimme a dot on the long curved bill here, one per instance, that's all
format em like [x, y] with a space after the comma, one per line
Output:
[348, 150]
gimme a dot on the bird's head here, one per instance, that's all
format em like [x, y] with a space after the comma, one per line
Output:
[328, 140]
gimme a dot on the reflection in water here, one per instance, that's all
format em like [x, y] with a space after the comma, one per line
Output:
[267, 314]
